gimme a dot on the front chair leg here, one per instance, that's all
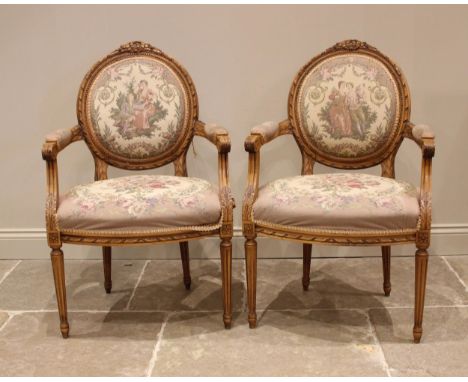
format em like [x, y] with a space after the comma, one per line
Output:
[387, 285]
[184, 255]
[56, 256]
[420, 292]
[306, 257]
[107, 262]
[226, 271]
[251, 268]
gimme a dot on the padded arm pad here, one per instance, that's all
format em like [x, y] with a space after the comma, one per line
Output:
[268, 130]
[422, 131]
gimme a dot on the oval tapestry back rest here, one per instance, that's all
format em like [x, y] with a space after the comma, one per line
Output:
[348, 106]
[137, 108]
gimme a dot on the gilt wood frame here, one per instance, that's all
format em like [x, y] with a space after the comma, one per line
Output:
[422, 135]
[58, 141]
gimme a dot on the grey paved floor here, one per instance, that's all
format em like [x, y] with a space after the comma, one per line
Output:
[150, 325]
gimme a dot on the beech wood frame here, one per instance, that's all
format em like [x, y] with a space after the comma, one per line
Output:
[56, 237]
[423, 137]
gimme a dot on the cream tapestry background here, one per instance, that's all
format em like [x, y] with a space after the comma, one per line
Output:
[137, 108]
[242, 60]
[349, 106]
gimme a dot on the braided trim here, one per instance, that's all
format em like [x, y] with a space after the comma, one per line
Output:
[331, 232]
[136, 233]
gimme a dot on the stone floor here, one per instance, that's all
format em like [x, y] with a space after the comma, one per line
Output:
[150, 325]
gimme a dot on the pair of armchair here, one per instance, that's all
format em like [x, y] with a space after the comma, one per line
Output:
[138, 109]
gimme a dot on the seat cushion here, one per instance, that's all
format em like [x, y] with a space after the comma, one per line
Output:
[342, 201]
[140, 202]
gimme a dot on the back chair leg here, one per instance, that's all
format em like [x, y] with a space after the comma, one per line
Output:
[306, 257]
[184, 255]
[251, 268]
[420, 292]
[107, 262]
[226, 271]
[386, 254]
[56, 256]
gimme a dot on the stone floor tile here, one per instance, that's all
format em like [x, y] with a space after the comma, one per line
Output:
[460, 265]
[3, 318]
[443, 348]
[112, 344]
[6, 266]
[161, 287]
[31, 287]
[352, 283]
[293, 343]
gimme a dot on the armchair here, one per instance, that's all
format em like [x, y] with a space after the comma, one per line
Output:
[348, 108]
[138, 109]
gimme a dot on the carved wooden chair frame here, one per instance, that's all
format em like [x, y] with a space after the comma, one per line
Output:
[421, 134]
[60, 139]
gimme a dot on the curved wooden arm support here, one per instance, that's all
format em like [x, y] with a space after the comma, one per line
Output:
[264, 133]
[220, 138]
[215, 134]
[423, 136]
[58, 140]
[259, 136]
[55, 142]
[425, 139]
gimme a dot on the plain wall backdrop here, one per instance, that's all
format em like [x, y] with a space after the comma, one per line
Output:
[242, 59]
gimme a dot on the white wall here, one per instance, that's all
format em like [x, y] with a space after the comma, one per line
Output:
[242, 60]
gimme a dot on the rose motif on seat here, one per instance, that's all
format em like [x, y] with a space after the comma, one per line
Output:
[140, 202]
[139, 195]
[137, 107]
[338, 201]
[332, 192]
[348, 106]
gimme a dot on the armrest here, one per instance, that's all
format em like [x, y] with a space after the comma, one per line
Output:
[58, 140]
[55, 142]
[259, 135]
[264, 133]
[216, 134]
[425, 138]
[220, 138]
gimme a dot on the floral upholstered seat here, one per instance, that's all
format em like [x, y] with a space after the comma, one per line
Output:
[343, 201]
[140, 202]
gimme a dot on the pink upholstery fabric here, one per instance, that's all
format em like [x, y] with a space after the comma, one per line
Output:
[62, 137]
[267, 130]
[140, 202]
[422, 131]
[342, 201]
[213, 129]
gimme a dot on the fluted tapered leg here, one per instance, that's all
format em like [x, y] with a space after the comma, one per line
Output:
[226, 270]
[387, 285]
[59, 278]
[184, 255]
[107, 262]
[420, 292]
[251, 268]
[306, 257]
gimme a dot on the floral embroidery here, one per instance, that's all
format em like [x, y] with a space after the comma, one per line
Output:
[137, 108]
[140, 196]
[349, 106]
[334, 192]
